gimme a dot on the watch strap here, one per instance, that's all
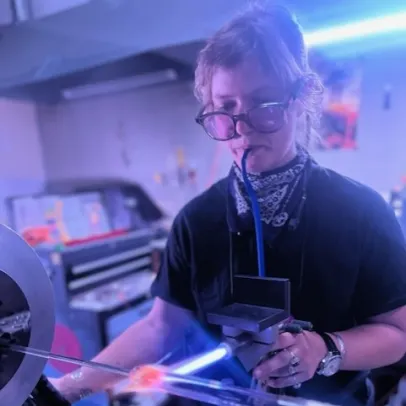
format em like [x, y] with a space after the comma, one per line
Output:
[330, 344]
[340, 342]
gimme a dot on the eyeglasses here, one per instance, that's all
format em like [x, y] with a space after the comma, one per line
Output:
[265, 118]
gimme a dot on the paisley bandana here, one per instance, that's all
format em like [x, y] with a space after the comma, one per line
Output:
[278, 192]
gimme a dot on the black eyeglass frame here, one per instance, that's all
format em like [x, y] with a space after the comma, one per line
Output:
[245, 116]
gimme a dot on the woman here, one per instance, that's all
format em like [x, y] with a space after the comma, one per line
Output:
[335, 239]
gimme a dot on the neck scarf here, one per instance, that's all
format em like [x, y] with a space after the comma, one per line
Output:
[279, 192]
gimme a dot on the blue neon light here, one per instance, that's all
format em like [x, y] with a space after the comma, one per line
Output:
[360, 29]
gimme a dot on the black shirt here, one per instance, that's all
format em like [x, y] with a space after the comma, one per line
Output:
[346, 260]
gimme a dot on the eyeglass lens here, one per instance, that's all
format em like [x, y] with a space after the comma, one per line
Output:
[265, 119]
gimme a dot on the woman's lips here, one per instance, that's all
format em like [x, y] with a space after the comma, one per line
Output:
[253, 148]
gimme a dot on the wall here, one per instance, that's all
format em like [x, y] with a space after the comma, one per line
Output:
[43, 8]
[87, 138]
[82, 138]
[6, 15]
[21, 164]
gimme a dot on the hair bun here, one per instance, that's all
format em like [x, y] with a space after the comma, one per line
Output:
[273, 9]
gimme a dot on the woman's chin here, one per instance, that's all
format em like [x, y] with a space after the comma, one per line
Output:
[255, 166]
[258, 163]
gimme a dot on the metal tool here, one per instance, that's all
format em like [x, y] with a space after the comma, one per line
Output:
[75, 361]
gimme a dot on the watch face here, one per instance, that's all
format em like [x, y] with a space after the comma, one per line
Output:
[331, 366]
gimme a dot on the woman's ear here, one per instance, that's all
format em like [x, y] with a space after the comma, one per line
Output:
[299, 94]
[299, 107]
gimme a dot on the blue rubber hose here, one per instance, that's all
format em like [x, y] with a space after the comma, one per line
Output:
[256, 213]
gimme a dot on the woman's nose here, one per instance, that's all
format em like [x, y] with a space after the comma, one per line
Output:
[242, 127]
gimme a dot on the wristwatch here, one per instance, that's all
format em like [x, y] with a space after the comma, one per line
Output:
[330, 364]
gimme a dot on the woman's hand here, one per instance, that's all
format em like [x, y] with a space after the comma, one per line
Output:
[297, 362]
[61, 387]
[55, 382]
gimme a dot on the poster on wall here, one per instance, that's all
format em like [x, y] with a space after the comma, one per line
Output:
[180, 173]
[342, 96]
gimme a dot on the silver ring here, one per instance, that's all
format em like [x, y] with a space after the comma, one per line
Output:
[85, 393]
[292, 370]
[296, 384]
[294, 360]
[76, 375]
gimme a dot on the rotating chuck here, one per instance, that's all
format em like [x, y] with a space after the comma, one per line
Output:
[26, 317]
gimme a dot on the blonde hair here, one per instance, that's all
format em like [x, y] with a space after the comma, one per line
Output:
[273, 36]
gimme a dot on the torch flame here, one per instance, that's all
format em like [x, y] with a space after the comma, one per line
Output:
[145, 378]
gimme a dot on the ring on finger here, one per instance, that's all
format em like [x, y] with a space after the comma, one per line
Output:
[296, 384]
[292, 371]
[294, 359]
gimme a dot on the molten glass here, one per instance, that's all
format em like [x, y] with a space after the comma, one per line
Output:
[156, 379]
[145, 378]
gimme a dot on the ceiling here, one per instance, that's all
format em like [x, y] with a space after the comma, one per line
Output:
[85, 41]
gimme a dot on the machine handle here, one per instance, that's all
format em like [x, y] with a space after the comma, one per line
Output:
[44, 394]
